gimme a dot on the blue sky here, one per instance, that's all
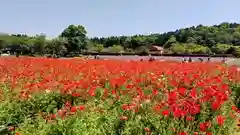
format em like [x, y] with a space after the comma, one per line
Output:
[113, 17]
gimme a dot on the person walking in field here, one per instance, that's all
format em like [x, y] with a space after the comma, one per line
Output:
[17, 53]
[96, 57]
[151, 58]
[223, 60]
[183, 60]
[190, 59]
[209, 59]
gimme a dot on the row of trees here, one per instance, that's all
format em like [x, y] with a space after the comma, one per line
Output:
[220, 39]
[72, 39]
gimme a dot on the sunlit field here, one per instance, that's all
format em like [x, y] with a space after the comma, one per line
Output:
[42, 96]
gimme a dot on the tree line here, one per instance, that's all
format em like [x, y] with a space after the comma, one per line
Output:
[218, 39]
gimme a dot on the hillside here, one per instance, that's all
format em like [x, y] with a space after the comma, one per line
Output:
[226, 33]
[219, 39]
[224, 36]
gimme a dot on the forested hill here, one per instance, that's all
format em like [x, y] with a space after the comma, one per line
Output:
[220, 39]
[224, 33]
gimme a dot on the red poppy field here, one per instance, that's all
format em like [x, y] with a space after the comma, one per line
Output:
[42, 96]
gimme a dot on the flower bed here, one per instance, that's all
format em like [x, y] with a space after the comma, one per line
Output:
[41, 96]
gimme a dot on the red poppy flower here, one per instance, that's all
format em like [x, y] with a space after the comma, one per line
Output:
[165, 113]
[73, 109]
[220, 120]
[81, 107]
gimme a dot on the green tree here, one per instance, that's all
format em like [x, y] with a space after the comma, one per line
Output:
[116, 48]
[3, 44]
[142, 50]
[236, 51]
[57, 46]
[221, 48]
[171, 40]
[76, 37]
[99, 47]
[192, 48]
[177, 48]
[95, 47]
[39, 43]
